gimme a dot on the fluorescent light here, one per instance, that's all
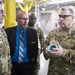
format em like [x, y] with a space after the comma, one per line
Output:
[19, 0]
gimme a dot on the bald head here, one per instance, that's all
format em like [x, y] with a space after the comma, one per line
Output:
[22, 19]
[20, 13]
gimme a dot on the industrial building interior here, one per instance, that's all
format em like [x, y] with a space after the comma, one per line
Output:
[46, 12]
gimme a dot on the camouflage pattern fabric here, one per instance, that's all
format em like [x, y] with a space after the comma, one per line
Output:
[41, 42]
[40, 47]
[40, 38]
[4, 53]
[64, 65]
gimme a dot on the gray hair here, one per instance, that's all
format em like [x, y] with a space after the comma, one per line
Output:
[67, 9]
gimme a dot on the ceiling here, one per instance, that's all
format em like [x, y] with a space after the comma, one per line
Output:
[54, 5]
[50, 4]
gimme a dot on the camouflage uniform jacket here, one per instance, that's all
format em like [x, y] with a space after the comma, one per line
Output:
[40, 36]
[64, 65]
[4, 52]
[40, 47]
[41, 44]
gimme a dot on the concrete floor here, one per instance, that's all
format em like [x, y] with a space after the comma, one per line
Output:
[43, 65]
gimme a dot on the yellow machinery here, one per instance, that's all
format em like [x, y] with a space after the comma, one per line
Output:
[10, 10]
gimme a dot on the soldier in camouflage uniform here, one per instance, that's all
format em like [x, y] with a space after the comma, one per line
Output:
[4, 46]
[62, 61]
[32, 20]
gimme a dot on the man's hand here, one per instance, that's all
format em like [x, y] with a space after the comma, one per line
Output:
[58, 51]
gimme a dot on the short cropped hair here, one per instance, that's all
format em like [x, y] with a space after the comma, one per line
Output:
[32, 15]
[1, 2]
[68, 9]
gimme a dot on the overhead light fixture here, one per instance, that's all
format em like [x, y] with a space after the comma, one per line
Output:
[43, 9]
[19, 0]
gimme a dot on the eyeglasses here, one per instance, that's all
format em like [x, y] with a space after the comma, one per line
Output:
[2, 11]
[64, 16]
[23, 18]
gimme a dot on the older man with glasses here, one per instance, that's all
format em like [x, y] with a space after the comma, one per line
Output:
[62, 42]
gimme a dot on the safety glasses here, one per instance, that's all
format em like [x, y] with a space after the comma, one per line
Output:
[64, 16]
